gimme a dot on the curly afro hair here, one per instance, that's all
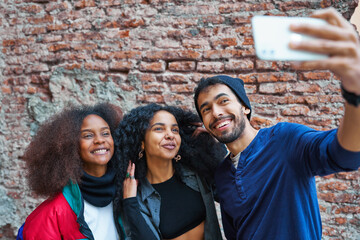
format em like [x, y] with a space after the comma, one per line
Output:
[201, 153]
[52, 157]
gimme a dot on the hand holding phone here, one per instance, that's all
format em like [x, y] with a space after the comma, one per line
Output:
[272, 36]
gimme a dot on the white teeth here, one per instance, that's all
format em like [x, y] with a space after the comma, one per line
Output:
[222, 124]
[100, 151]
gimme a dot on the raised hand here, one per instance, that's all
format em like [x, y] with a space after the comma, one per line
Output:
[339, 40]
[130, 183]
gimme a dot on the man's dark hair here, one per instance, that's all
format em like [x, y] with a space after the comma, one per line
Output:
[236, 85]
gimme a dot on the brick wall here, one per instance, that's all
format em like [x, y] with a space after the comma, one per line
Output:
[132, 52]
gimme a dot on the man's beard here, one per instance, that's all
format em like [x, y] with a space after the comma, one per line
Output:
[229, 137]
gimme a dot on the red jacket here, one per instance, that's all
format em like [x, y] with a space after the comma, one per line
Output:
[61, 217]
[53, 219]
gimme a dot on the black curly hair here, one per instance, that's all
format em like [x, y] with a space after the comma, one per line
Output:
[52, 157]
[201, 153]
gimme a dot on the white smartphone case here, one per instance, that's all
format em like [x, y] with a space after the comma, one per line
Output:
[272, 36]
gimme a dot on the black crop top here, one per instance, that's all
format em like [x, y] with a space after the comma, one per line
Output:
[181, 208]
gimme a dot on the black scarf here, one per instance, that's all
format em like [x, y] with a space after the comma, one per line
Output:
[98, 191]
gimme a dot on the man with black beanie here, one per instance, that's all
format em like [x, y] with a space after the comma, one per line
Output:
[266, 184]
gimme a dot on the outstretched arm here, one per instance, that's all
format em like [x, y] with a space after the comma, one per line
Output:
[340, 41]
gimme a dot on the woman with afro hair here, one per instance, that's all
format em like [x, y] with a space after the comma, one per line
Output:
[70, 162]
[165, 165]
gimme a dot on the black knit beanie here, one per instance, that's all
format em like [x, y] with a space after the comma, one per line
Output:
[235, 84]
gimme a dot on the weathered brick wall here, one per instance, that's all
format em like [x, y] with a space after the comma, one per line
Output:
[131, 52]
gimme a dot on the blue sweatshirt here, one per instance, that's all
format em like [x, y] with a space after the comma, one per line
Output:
[272, 193]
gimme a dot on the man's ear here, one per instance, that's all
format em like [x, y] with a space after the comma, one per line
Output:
[246, 110]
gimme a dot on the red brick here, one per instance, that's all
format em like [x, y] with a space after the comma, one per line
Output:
[270, 65]
[34, 30]
[246, 7]
[239, 65]
[57, 27]
[302, 87]
[239, 20]
[174, 99]
[273, 88]
[172, 55]
[31, 90]
[166, 43]
[347, 209]
[127, 55]
[73, 66]
[32, 8]
[74, 37]
[228, 53]
[329, 231]
[340, 220]
[133, 23]
[39, 79]
[248, 78]
[172, 78]
[96, 66]
[37, 68]
[152, 66]
[348, 175]
[275, 77]
[183, 66]
[84, 46]
[123, 66]
[195, 9]
[85, 3]
[338, 198]
[57, 6]
[260, 122]
[19, 89]
[150, 98]
[58, 47]
[153, 87]
[293, 5]
[109, 3]
[314, 75]
[45, 19]
[247, 41]
[127, 87]
[214, 19]
[333, 186]
[81, 24]
[102, 55]
[182, 22]
[212, 67]
[13, 42]
[179, 34]
[296, 111]
[51, 38]
[111, 24]
[224, 42]
[6, 89]
[143, 77]
[196, 44]
[181, 88]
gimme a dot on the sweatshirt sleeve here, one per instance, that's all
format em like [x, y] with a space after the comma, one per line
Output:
[135, 225]
[319, 151]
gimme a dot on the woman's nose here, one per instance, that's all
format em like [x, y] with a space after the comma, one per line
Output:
[169, 135]
[99, 140]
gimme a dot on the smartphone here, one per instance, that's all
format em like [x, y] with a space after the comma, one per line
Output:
[272, 36]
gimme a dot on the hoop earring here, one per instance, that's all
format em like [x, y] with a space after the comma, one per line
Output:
[141, 154]
[177, 158]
